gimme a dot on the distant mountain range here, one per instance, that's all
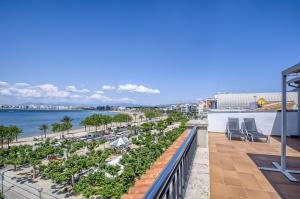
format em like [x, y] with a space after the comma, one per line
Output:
[71, 104]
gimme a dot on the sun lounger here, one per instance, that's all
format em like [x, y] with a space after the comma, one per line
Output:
[249, 128]
[233, 129]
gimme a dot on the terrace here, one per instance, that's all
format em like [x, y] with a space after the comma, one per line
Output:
[225, 169]
[234, 171]
[204, 163]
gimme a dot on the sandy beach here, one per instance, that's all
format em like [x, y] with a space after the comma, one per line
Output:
[76, 132]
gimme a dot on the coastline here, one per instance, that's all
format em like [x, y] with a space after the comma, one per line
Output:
[74, 132]
[29, 120]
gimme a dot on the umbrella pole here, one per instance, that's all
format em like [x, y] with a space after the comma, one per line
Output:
[282, 168]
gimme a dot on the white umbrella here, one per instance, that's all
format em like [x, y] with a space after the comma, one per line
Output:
[117, 143]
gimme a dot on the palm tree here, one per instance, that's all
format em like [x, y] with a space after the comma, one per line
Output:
[3, 134]
[84, 123]
[65, 126]
[141, 117]
[44, 128]
[67, 123]
[66, 119]
[56, 127]
[16, 131]
[134, 115]
[12, 133]
[106, 120]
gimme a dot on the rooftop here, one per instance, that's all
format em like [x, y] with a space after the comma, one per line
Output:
[234, 171]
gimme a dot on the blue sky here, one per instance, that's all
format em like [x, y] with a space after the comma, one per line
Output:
[151, 52]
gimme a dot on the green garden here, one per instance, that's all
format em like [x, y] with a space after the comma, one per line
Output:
[89, 174]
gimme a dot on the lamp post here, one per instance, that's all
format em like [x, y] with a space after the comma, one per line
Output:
[2, 182]
[255, 101]
[40, 192]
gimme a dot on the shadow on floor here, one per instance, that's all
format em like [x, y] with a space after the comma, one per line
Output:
[280, 183]
[293, 143]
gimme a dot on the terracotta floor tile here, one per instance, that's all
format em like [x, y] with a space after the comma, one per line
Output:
[236, 191]
[217, 196]
[274, 195]
[232, 181]
[230, 173]
[216, 179]
[265, 186]
[246, 157]
[218, 188]
[256, 194]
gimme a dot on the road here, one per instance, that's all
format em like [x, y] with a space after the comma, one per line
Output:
[14, 190]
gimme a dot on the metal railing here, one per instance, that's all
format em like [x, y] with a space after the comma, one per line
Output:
[172, 182]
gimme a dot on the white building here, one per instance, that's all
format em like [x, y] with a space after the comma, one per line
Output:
[185, 108]
[246, 100]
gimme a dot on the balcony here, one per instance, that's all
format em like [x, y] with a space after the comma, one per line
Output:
[205, 164]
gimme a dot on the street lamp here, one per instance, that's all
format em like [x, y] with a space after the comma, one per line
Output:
[40, 192]
[2, 182]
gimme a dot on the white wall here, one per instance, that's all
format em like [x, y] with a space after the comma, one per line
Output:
[268, 122]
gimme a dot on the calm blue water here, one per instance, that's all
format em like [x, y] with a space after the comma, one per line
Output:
[30, 120]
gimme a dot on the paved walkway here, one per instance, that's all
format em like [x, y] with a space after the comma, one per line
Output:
[22, 189]
[198, 184]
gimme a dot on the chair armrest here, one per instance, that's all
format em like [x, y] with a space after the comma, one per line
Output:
[227, 127]
[260, 131]
[243, 132]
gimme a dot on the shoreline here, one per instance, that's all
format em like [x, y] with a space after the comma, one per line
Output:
[38, 133]
[74, 132]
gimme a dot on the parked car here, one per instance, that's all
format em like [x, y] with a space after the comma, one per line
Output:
[56, 144]
[2, 166]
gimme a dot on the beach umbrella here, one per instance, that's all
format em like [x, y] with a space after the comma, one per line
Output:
[117, 143]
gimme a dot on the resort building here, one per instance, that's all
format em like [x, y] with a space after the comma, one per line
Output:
[185, 108]
[251, 100]
[105, 108]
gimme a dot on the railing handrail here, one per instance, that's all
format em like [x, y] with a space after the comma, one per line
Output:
[160, 182]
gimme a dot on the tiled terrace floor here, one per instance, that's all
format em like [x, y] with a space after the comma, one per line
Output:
[234, 169]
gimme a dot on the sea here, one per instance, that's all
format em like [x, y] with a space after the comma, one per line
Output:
[30, 120]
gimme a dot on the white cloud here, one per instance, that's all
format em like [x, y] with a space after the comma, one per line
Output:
[85, 91]
[47, 88]
[3, 83]
[107, 87]
[125, 99]
[51, 93]
[133, 88]
[100, 97]
[5, 92]
[22, 84]
[75, 96]
[99, 92]
[71, 88]
[74, 89]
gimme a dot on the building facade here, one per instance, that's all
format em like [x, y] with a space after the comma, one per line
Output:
[251, 100]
